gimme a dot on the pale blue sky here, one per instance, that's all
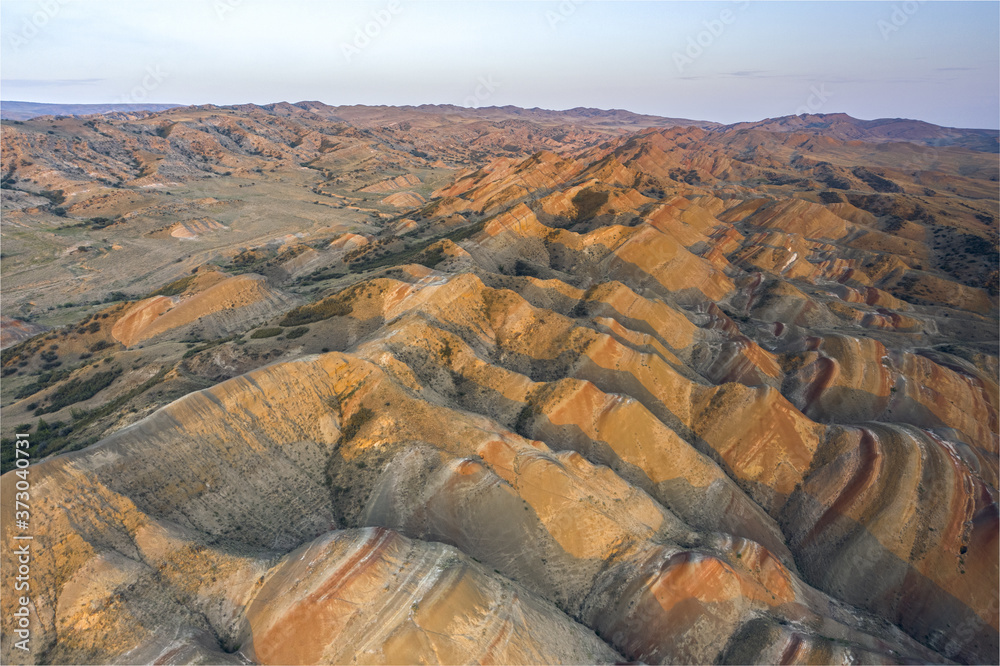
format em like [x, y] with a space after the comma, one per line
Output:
[935, 61]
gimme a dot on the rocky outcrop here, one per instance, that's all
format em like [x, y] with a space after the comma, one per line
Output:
[13, 331]
[379, 597]
[404, 200]
[393, 184]
[228, 305]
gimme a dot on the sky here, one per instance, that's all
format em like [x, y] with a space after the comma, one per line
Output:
[721, 61]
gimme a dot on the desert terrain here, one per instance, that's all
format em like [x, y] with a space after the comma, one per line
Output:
[316, 384]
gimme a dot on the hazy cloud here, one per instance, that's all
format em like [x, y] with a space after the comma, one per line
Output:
[59, 83]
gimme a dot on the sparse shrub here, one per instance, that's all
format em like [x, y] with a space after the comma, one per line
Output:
[977, 245]
[44, 380]
[336, 305]
[837, 182]
[297, 332]
[354, 424]
[192, 349]
[894, 223]
[525, 269]
[524, 419]
[875, 181]
[100, 345]
[587, 202]
[266, 332]
[174, 288]
[77, 390]
[431, 257]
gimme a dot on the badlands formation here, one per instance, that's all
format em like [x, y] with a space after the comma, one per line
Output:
[312, 384]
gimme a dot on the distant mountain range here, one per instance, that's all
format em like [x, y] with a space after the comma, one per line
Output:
[581, 115]
[12, 110]
[835, 125]
[844, 127]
